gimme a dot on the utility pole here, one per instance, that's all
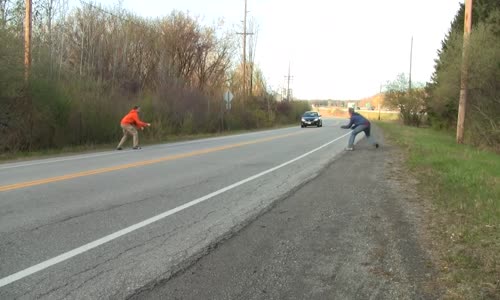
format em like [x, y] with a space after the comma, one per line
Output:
[251, 57]
[27, 64]
[244, 34]
[27, 39]
[379, 99]
[288, 83]
[411, 60]
[462, 105]
[245, 52]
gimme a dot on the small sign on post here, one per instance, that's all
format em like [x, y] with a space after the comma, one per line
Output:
[228, 97]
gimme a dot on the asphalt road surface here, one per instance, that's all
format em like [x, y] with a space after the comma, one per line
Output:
[351, 233]
[106, 225]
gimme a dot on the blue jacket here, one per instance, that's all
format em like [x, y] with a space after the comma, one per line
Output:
[356, 120]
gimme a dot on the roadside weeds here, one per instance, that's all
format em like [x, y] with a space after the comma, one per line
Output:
[460, 192]
[93, 148]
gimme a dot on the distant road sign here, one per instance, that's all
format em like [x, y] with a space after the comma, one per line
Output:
[228, 96]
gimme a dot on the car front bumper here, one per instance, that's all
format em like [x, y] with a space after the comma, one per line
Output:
[310, 123]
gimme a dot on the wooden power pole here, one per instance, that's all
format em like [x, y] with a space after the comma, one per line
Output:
[245, 52]
[288, 84]
[244, 34]
[380, 99]
[462, 105]
[411, 61]
[27, 39]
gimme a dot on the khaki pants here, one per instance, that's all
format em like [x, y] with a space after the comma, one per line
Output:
[129, 129]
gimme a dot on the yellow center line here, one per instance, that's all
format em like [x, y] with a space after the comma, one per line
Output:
[26, 184]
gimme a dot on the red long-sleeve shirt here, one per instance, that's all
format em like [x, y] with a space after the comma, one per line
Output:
[132, 118]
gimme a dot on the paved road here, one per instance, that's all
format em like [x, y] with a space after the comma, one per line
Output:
[104, 225]
[351, 233]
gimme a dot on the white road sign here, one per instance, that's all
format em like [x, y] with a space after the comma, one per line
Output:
[228, 96]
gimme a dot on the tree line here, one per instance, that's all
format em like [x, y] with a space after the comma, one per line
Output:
[90, 65]
[437, 101]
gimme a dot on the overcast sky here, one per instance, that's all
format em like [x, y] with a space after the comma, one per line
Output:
[340, 49]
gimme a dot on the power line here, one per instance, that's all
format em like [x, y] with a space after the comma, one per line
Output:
[111, 14]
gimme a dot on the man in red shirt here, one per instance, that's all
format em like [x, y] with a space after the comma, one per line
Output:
[130, 123]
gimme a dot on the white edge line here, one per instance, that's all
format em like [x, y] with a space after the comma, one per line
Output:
[72, 253]
[14, 165]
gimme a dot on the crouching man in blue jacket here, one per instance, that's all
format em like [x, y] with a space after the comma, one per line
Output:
[358, 123]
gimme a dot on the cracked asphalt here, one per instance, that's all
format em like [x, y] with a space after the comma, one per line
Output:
[354, 232]
[62, 212]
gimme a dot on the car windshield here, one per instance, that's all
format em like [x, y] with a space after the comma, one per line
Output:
[311, 114]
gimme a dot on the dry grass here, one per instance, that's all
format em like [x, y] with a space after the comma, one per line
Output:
[339, 112]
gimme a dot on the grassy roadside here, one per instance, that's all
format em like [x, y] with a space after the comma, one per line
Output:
[20, 156]
[384, 116]
[463, 184]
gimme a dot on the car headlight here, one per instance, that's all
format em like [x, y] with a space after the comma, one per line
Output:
[316, 119]
[303, 120]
